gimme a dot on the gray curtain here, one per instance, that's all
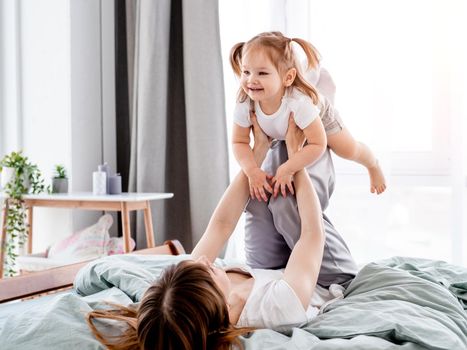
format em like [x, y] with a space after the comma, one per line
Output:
[177, 114]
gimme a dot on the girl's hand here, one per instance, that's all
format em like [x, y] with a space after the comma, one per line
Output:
[259, 182]
[283, 180]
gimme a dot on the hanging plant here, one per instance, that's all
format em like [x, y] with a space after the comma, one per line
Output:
[19, 177]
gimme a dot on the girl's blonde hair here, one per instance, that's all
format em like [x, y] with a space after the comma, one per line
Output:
[184, 309]
[278, 48]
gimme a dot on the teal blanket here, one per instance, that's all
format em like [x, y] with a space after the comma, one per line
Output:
[399, 303]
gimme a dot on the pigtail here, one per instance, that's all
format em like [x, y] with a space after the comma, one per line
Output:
[236, 62]
[311, 52]
[312, 56]
[126, 341]
[236, 58]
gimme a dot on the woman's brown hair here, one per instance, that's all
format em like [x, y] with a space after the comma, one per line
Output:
[278, 49]
[183, 309]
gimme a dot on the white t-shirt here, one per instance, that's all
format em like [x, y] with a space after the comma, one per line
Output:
[273, 304]
[275, 125]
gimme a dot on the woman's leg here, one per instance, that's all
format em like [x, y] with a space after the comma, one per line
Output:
[265, 248]
[338, 265]
[280, 217]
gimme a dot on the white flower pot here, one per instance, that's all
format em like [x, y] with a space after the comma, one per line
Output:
[7, 175]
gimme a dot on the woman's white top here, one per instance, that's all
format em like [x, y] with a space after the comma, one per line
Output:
[275, 125]
[273, 304]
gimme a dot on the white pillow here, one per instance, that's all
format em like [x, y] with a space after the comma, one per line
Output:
[89, 243]
[115, 245]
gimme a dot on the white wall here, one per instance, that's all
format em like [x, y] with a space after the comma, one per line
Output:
[58, 93]
[45, 114]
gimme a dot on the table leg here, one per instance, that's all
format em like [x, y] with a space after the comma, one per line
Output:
[126, 227]
[148, 226]
[29, 229]
[3, 238]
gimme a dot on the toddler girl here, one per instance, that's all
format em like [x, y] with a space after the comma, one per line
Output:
[273, 87]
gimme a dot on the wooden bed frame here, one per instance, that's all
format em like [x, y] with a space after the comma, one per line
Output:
[61, 278]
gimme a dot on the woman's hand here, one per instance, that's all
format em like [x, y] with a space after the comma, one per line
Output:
[262, 141]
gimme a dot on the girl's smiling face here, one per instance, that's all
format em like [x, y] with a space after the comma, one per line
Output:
[261, 80]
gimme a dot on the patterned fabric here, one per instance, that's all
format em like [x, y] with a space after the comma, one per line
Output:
[90, 243]
[85, 244]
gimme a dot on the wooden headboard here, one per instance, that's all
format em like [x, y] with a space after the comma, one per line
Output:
[62, 277]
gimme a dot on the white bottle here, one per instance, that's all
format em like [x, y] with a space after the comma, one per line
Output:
[106, 169]
[99, 183]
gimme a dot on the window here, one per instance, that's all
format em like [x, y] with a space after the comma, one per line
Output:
[401, 82]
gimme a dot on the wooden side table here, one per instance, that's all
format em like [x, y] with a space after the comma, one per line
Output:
[124, 203]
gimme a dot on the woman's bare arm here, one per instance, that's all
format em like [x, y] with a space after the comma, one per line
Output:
[230, 207]
[302, 269]
[224, 219]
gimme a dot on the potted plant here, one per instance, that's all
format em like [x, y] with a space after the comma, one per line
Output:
[13, 168]
[60, 180]
[24, 178]
[7, 174]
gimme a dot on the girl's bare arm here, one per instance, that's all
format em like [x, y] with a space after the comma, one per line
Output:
[316, 145]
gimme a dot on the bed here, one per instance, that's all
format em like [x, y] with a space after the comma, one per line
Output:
[398, 303]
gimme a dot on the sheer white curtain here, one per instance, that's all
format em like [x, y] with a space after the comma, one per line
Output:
[401, 86]
[239, 21]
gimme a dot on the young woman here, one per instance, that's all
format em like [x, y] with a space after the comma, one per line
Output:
[196, 305]
[272, 85]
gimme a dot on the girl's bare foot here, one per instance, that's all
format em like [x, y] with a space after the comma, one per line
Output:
[377, 181]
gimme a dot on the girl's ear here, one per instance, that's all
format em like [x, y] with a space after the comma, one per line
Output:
[290, 77]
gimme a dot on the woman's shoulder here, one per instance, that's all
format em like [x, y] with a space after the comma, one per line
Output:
[272, 303]
[239, 267]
